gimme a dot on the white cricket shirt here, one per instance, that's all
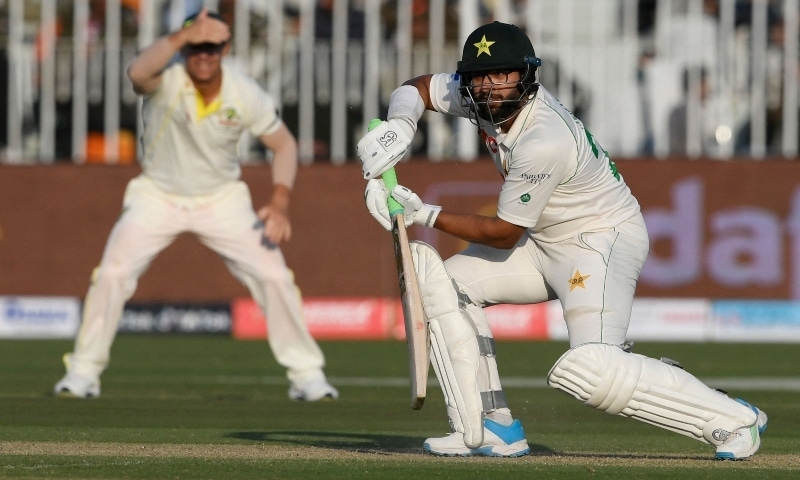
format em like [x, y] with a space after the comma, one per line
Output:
[558, 180]
[186, 153]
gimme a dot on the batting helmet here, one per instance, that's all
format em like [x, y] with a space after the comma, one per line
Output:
[496, 47]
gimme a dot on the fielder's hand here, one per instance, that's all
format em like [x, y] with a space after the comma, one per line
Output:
[276, 226]
[205, 29]
[383, 146]
[415, 211]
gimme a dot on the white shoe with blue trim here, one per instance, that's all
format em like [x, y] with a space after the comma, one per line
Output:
[498, 441]
[746, 441]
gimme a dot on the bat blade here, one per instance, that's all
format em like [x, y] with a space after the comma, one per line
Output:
[417, 339]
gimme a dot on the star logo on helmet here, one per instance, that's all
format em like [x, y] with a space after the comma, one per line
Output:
[483, 46]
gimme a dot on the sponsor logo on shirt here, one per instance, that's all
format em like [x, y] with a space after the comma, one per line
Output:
[536, 178]
[229, 117]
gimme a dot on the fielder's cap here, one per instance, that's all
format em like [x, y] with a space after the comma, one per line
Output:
[497, 46]
[191, 18]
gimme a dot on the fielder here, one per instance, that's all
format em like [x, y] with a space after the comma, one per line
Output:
[567, 227]
[194, 113]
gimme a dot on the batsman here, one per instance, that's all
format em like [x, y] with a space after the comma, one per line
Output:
[567, 227]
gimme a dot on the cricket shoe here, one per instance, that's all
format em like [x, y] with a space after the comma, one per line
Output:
[313, 390]
[77, 386]
[745, 441]
[498, 441]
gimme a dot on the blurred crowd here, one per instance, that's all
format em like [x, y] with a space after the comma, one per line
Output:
[694, 102]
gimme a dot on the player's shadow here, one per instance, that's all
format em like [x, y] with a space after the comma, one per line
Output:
[632, 456]
[389, 444]
[350, 441]
[335, 440]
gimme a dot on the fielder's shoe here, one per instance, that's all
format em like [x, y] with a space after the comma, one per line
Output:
[744, 442]
[314, 390]
[77, 386]
[498, 441]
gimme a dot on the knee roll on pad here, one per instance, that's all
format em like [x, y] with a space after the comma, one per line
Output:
[610, 379]
[459, 352]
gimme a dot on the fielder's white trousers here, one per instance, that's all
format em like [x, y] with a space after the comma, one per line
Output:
[226, 223]
[592, 274]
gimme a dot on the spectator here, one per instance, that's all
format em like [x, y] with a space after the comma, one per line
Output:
[420, 22]
[774, 94]
[691, 113]
[687, 38]
[323, 17]
[65, 34]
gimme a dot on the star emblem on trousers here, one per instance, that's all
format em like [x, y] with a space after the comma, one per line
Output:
[577, 280]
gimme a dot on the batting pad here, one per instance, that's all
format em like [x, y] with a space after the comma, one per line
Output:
[455, 350]
[610, 379]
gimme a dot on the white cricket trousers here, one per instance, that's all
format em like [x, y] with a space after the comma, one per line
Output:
[593, 274]
[226, 223]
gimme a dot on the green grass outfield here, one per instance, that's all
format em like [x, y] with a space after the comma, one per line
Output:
[195, 407]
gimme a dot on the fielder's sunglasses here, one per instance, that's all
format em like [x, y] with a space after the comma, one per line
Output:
[207, 48]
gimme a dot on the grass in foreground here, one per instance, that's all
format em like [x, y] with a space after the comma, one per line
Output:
[210, 407]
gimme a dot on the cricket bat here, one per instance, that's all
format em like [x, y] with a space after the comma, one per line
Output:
[417, 339]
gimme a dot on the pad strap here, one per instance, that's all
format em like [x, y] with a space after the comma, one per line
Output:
[486, 345]
[493, 400]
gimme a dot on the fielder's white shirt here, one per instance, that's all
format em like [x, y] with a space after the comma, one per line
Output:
[558, 180]
[189, 154]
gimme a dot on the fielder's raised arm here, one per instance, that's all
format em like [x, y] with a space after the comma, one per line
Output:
[203, 31]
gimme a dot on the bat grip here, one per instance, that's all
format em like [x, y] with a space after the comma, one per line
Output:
[389, 179]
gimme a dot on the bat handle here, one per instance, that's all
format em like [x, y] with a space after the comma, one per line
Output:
[389, 179]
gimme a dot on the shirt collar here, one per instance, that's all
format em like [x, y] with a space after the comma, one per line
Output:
[521, 122]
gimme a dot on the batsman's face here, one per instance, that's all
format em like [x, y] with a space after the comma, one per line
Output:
[495, 93]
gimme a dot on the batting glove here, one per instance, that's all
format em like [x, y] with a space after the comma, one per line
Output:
[414, 210]
[376, 196]
[383, 146]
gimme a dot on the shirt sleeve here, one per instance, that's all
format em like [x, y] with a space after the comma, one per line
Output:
[263, 116]
[172, 78]
[446, 96]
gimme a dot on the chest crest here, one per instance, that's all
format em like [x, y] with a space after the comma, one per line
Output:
[499, 157]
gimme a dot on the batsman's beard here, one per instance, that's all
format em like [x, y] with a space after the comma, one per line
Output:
[495, 108]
